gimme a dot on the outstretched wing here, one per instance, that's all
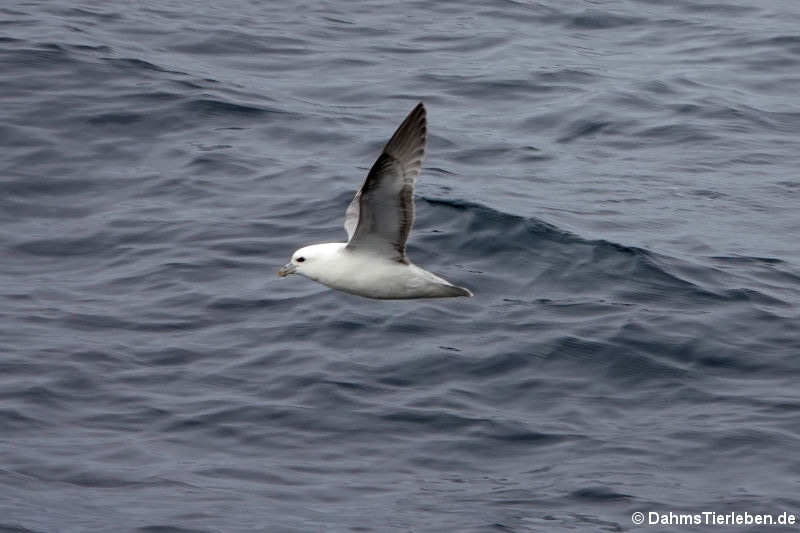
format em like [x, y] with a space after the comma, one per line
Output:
[381, 214]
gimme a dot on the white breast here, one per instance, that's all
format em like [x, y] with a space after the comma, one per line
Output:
[365, 274]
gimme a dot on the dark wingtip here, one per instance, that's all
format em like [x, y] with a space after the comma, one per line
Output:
[410, 135]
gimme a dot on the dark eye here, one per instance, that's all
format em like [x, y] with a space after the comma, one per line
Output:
[301, 259]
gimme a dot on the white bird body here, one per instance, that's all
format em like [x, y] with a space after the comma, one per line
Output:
[370, 275]
[373, 262]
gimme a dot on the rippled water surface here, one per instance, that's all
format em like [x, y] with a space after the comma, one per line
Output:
[616, 181]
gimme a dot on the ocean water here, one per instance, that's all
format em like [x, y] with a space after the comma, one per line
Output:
[617, 182]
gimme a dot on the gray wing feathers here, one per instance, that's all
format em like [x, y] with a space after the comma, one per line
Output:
[407, 145]
[382, 212]
[351, 216]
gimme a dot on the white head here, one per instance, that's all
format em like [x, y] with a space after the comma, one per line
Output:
[312, 260]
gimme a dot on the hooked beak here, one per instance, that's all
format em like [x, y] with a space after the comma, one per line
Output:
[287, 269]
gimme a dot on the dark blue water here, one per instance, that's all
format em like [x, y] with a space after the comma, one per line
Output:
[616, 181]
